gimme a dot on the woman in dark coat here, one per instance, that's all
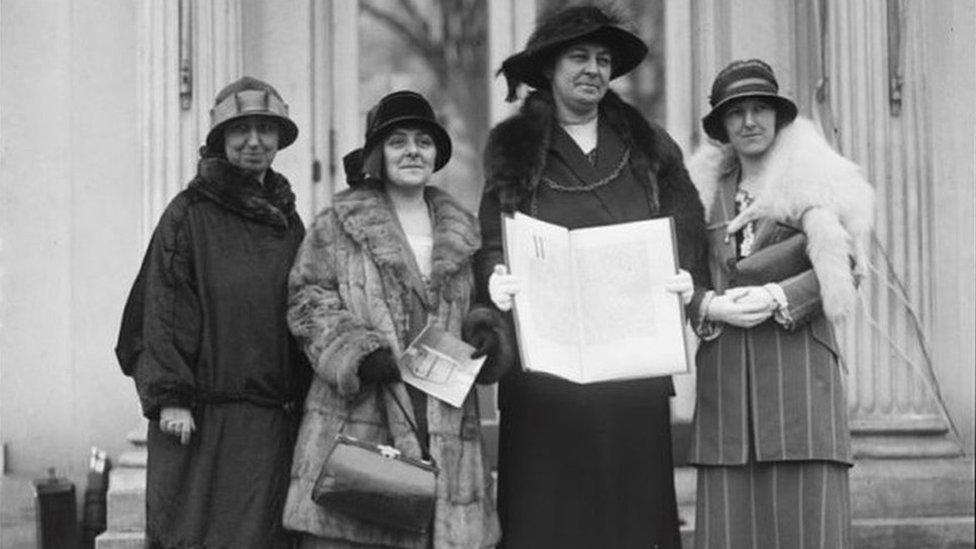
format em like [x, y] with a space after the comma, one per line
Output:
[786, 215]
[583, 465]
[204, 337]
[390, 255]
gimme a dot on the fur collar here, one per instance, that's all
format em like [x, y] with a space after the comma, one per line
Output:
[367, 216]
[804, 182]
[517, 147]
[220, 181]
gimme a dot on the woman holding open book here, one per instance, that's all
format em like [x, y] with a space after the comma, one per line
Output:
[390, 255]
[786, 215]
[583, 465]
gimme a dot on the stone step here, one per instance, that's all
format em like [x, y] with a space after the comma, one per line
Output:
[126, 505]
[137, 436]
[914, 533]
[917, 488]
[134, 458]
[120, 540]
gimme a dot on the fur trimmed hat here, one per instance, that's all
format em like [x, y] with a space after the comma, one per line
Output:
[248, 96]
[564, 27]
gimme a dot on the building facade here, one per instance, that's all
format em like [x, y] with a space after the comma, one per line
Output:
[105, 102]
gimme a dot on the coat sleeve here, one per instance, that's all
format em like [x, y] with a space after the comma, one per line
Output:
[333, 338]
[680, 199]
[161, 326]
[491, 252]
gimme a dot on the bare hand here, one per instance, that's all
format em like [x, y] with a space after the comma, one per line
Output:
[502, 287]
[682, 285]
[177, 422]
[743, 307]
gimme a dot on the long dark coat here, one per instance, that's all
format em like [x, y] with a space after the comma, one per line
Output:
[774, 392]
[204, 328]
[586, 465]
[356, 287]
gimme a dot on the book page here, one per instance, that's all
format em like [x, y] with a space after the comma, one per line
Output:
[545, 312]
[631, 326]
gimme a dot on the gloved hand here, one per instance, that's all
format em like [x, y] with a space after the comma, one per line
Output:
[743, 306]
[177, 422]
[485, 343]
[682, 285]
[502, 287]
[380, 366]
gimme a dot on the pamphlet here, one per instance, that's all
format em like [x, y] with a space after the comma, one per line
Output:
[440, 364]
[593, 306]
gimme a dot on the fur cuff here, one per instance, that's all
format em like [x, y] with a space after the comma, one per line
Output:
[497, 364]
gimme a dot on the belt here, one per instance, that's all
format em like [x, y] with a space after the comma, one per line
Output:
[224, 397]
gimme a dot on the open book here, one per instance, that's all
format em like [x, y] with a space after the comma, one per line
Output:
[440, 364]
[592, 306]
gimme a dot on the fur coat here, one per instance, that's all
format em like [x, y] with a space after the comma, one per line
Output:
[350, 293]
[805, 183]
[516, 155]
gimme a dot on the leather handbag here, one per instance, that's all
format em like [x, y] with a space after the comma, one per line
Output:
[378, 484]
[773, 263]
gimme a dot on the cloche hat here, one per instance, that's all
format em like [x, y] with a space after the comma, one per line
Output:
[563, 28]
[739, 80]
[398, 109]
[249, 96]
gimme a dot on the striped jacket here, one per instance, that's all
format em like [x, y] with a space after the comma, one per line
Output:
[777, 387]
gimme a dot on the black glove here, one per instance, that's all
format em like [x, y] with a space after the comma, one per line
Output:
[485, 343]
[380, 366]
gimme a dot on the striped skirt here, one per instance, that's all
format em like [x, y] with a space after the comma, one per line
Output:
[773, 505]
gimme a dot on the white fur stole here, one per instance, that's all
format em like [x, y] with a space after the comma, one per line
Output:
[804, 180]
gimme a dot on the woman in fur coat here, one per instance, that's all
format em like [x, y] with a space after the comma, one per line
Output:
[390, 255]
[204, 337]
[584, 465]
[786, 216]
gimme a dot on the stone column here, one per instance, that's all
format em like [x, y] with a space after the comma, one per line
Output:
[873, 110]
[187, 52]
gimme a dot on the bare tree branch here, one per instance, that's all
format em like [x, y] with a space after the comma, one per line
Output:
[414, 15]
[415, 38]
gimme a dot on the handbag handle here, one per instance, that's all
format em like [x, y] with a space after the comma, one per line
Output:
[424, 448]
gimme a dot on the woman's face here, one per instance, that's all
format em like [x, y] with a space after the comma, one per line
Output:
[251, 143]
[408, 157]
[751, 126]
[581, 76]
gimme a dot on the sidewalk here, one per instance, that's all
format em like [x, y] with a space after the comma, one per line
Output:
[17, 523]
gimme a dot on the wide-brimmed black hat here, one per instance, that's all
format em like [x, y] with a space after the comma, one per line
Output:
[406, 108]
[249, 96]
[739, 80]
[565, 27]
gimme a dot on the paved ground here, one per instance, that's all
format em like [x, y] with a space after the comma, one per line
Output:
[17, 522]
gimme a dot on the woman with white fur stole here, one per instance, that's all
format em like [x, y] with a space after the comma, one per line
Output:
[786, 217]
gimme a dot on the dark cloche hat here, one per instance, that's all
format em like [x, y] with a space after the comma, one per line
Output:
[741, 79]
[406, 108]
[567, 26]
[249, 96]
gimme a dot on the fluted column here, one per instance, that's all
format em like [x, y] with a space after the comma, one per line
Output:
[875, 97]
[189, 49]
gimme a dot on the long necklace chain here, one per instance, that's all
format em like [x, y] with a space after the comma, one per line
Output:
[624, 159]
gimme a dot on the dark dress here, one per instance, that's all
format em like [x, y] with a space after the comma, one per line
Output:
[204, 328]
[584, 465]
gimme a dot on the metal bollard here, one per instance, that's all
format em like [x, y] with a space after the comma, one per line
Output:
[57, 512]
